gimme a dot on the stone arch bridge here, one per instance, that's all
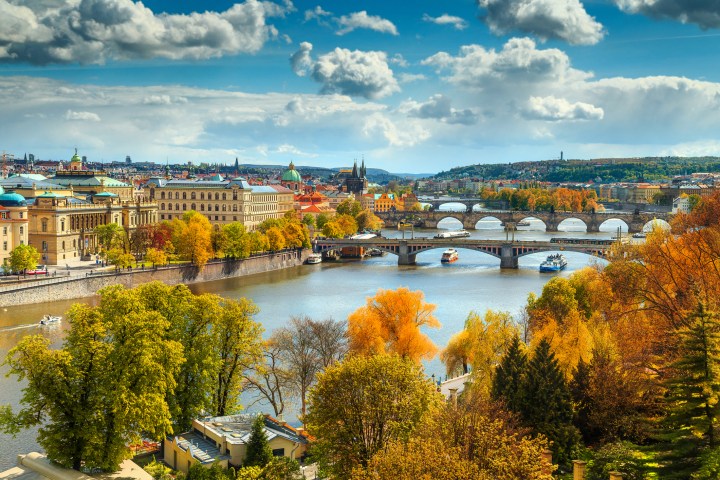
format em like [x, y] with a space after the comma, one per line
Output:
[635, 221]
[507, 252]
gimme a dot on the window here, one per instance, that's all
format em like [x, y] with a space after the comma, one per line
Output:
[278, 452]
[5, 245]
[192, 206]
[234, 208]
[224, 208]
[224, 197]
[162, 216]
[184, 195]
[22, 230]
[169, 206]
[202, 207]
[234, 193]
[177, 195]
[217, 207]
[4, 230]
[234, 218]
[20, 214]
[177, 206]
[62, 225]
[184, 207]
[74, 243]
[192, 196]
[43, 225]
[223, 217]
[216, 217]
[162, 206]
[162, 195]
[217, 196]
[63, 246]
[202, 196]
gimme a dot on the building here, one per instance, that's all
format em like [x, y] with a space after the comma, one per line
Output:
[385, 202]
[89, 182]
[292, 179]
[224, 440]
[356, 182]
[13, 223]
[681, 204]
[222, 201]
[62, 228]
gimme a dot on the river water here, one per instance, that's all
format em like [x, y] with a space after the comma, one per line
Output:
[334, 289]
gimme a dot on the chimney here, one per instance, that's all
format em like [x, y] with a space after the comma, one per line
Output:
[546, 460]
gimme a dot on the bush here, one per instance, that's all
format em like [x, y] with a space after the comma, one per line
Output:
[709, 465]
[620, 456]
[158, 470]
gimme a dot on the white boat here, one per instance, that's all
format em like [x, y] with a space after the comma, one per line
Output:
[314, 258]
[453, 234]
[553, 263]
[450, 255]
[49, 319]
[639, 235]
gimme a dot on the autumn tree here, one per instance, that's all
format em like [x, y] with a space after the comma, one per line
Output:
[103, 390]
[270, 380]
[23, 257]
[362, 403]
[350, 207]
[390, 322]
[156, 257]
[111, 235]
[237, 244]
[192, 238]
[367, 220]
[276, 239]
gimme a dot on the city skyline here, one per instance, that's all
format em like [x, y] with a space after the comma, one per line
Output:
[419, 89]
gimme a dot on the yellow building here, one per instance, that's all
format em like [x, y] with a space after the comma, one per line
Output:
[89, 182]
[385, 202]
[224, 440]
[61, 228]
[13, 223]
[222, 201]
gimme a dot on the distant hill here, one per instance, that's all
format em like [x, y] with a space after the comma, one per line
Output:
[374, 175]
[595, 170]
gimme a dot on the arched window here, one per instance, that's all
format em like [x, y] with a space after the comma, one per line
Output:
[224, 207]
[202, 195]
[184, 207]
[202, 207]
[63, 246]
[192, 206]
[234, 208]
[177, 206]
[184, 195]
[162, 195]
[217, 208]
[217, 196]
[224, 197]
[169, 206]
[62, 225]
[192, 196]
[44, 224]
[177, 195]
[234, 193]
[162, 206]
[209, 208]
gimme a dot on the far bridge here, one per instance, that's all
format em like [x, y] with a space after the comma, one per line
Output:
[635, 222]
[508, 252]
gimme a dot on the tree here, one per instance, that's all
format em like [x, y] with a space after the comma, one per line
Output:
[321, 220]
[350, 207]
[308, 220]
[237, 243]
[258, 451]
[332, 229]
[694, 384]
[156, 257]
[110, 236]
[192, 238]
[276, 239]
[120, 259]
[329, 339]
[237, 339]
[390, 322]
[104, 389]
[270, 380]
[362, 403]
[24, 257]
[367, 220]
[546, 403]
[508, 381]
[347, 224]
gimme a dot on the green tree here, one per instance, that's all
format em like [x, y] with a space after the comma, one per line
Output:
[258, 451]
[282, 468]
[155, 256]
[24, 257]
[333, 229]
[120, 259]
[508, 380]
[104, 389]
[308, 220]
[321, 220]
[349, 206]
[216, 472]
[110, 236]
[367, 220]
[546, 403]
[362, 403]
[237, 244]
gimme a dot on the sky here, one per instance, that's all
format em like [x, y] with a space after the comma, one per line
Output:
[413, 87]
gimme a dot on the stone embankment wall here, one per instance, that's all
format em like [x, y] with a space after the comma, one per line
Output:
[80, 287]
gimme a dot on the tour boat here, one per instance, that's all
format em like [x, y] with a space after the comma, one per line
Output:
[314, 258]
[376, 252]
[453, 234]
[639, 235]
[49, 319]
[450, 255]
[553, 263]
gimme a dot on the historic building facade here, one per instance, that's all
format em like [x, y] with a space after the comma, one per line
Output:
[222, 201]
[13, 223]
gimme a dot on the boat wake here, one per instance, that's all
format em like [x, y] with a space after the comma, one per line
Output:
[19, 327]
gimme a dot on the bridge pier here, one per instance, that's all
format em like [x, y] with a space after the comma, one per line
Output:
[507, 257]
[404, 255]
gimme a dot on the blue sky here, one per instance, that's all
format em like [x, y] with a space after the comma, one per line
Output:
[410, 86]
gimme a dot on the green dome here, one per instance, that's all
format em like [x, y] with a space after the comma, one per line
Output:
[11, 199]
[291, 175]
[76, 157]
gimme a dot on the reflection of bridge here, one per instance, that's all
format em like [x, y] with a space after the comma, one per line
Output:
[634, 221]
[507, 252]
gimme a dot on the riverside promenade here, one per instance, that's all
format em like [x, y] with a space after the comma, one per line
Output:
[84, 279]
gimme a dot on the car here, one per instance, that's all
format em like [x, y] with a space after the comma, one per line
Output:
[38, 271]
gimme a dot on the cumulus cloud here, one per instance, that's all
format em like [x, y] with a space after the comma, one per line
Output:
[356, 20]
[518, 63]
[348, 72]
[301, 61]
[704, 13]
[559, 109]
[439, 107]
[163, 100]
[410, 134]
[92, 31]
[82, 116]
[316, 13]
[564, 20]
[411, 77]
[445, 19]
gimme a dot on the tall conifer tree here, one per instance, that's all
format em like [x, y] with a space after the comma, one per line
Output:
[508, 379]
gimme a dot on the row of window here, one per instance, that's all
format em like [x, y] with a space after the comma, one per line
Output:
[202, 207]
[218, 196]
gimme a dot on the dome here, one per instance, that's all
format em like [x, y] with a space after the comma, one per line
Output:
[76, 157]
[11, 199]
[291, 175]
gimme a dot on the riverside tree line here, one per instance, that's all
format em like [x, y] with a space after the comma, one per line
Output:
[618, 366]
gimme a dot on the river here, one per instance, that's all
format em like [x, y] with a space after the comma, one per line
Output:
[335, 289]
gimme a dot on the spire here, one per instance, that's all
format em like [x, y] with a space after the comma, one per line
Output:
[237, 167]
[362, 167]
[355, 170]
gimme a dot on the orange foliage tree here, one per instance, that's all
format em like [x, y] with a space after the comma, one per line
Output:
[390, 323]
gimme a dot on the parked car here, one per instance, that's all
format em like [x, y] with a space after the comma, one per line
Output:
[41, 270]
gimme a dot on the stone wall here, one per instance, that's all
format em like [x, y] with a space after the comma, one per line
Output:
[80, 287]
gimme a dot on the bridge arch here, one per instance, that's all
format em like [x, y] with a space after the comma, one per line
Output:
[531, 219]
[572, 224]
[656, 223]
[450, 221]
[451, 206]
[614, 222]
[489, 222]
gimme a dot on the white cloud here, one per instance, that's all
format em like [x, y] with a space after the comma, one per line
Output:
[439, 107]
[547, 19]
[411, 77]
[445, 19]
[82, 116]
[288, 149]
[558, 109]
[704, 13]
[410, 134]
[92, 31]
[348, 72]
[399, 60]
[316, 13]
[356, 20]
[301, 61]
[163, 100]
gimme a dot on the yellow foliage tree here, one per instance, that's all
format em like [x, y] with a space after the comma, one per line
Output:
[390, 322]
[192, 238]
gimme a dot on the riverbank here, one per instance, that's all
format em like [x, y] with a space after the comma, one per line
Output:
[81, 286]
